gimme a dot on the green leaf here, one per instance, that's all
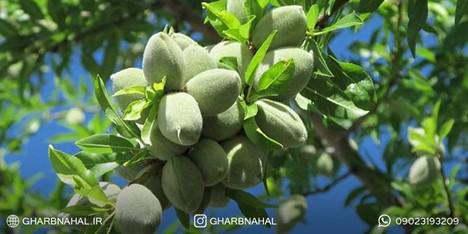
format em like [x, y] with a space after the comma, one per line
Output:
[303, 102]
[247, 198]
[312, 16]
[32, 9]
[347, 95]
[7, 29]
[249, 110]
[321, 67]
[435, 112]
[105, 143]
[150, 123]
[345, 22]
[67, 167]
[462, 9]
[262, 3]
[256, 135]
[100, 164]
[446, 128]
[127, 129]
[151, 120]
[420, 142]
[453, 175]
[248, 210]
[241, 32]
[354, 194]
[72, 171]
[417, 14]
[183, 217]
[430, 127]
[257, 59]
[205, 201]
[426, 53]
[369, 5]
[282, 69]
[134, 110]
[352, 111]
[228, 63]
[274, 81]
[255, 8]
[222, 20]
[131, 90]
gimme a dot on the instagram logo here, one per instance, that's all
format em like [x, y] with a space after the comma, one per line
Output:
[200, 221]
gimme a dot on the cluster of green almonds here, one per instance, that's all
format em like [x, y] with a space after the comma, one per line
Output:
[198, 138]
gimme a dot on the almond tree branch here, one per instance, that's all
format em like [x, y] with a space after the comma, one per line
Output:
[329, 186]
[377, 182]
[446, 188]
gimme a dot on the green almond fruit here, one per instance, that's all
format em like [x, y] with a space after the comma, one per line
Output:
[182, 182]
[154, 184]
[163, 58]
[225, 124]
[290, 23]
[179, 118]
[182, 40]
[325, 165]
[245, 165]
[214, 90]
[236, 50]
[162, 148]
[424, 171]
[137, 210]
[303, 69]
[291, 212]
[279, 122]
[197, 60]
[237, 8]
[127, 78]
[211, 159]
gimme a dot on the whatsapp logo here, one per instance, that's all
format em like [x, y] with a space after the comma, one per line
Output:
[384, 220]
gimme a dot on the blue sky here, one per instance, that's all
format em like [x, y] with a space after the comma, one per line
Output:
[326, 213]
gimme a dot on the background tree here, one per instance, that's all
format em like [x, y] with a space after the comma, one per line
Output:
[405, 87]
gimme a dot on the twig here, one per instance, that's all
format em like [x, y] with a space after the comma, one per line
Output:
[446, 188]
[395, 73]
[322, 21]
[329, 186]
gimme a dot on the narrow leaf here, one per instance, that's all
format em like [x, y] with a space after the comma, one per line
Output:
[127, 129]
[105, 143]
[183, 217]
[312, 16]
[345, 22]
[247, 198]
[257, 59]
[132, 90]
[462, 9]
[446, 128]
[417, 14]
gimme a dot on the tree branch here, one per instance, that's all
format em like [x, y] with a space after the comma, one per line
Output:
[376, 182]
[446, 188]
[327, 187]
